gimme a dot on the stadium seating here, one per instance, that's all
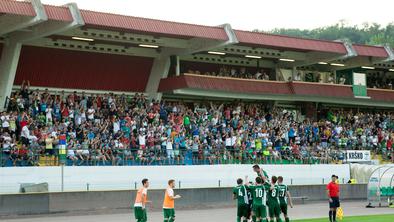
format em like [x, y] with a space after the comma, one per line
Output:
[46, 129]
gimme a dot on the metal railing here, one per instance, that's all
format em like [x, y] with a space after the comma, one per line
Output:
[135, 157]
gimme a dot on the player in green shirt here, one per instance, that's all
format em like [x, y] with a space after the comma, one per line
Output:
[260, 172]
[259, 193]
[240, 193]
[273, 201]
[283, 195]
[250, 198]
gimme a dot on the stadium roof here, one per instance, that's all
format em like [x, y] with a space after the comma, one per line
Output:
[107, 21]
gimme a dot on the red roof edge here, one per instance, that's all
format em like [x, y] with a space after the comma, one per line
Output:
[179, 29]
[370, 50]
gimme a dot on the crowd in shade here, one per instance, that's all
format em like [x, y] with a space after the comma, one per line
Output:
[374, 80]
[380, 82]
[235, 72]
[111, 129]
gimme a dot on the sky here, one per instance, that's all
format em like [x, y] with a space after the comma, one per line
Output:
[249, 14]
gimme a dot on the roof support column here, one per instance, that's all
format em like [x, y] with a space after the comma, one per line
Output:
[199, 45]
[178, 66]
[8, 64]
[50, 27]
[8, 25]
[160, 69]
[390, 53]
[350, 53]
[12, 49]
[161, 65]
[41, 27]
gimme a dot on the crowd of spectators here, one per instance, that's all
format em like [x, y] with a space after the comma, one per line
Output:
[264, 74]
[235, 72]
[373, 80]
[122, 130]
[380, 82]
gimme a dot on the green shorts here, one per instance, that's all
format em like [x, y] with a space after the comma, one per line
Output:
[169, 214]
[273, 210]
[243, 210]
[140, 214]
[260, 211]
[283, 207]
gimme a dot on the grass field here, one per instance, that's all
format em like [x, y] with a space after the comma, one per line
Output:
[375, 218]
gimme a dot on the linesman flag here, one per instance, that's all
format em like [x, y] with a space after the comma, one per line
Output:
[340, 213]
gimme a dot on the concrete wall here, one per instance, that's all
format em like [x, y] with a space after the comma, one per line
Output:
[24, 204]
[124, 177]
[318, 192]
[41, 203]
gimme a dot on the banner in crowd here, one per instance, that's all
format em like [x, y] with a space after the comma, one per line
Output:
[356, 156]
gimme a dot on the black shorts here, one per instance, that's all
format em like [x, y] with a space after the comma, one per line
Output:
[50, 152]
[335, 202]
[25, 141]
[250, 209]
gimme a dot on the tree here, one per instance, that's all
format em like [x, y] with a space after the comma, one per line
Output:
[367, 33]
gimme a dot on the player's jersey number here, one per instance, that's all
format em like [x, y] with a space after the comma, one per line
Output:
[259, 193]
[282, 192]
[273, 194]
[240, 193]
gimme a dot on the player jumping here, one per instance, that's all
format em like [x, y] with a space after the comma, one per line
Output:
[284, 194]
[169, 202]
[140, 201]
[260, 172]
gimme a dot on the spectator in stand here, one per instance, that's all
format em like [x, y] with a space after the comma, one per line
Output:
[116, 129]
[266, 76]
[331, 78]
[342, 80]
[297, 77]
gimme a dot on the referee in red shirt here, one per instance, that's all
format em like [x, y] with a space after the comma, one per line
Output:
[333, 197]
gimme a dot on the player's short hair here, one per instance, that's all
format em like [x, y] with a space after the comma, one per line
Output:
[280, 179]
[256, 166]
[239, 181]
[144, 181]
[171, 181]
[274, 179]
[259, 180]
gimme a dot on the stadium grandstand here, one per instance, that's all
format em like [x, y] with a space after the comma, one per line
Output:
[79, 87]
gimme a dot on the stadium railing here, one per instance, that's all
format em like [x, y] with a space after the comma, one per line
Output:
[131, 157]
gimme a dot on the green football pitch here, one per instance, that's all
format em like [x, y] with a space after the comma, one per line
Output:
[374, 218]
